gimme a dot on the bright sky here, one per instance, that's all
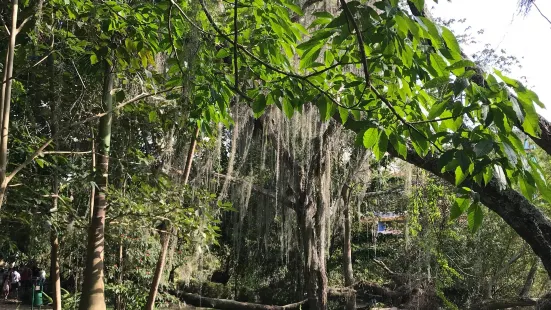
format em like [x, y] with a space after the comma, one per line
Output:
[526, 37]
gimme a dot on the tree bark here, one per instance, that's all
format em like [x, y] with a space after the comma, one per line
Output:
[347, 251]
[54, 270]
[93, 186]
[165, 238]
[314, 274]
[5, 102]
[529, 280]
[93, 297]
[54, 239]
[191, 152]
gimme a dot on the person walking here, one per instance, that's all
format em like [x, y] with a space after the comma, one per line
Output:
[15, 282]
[6, 285]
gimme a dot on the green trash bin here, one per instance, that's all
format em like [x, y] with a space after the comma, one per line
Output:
[37, 300]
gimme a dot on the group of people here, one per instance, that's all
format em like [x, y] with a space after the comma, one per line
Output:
[14, 278]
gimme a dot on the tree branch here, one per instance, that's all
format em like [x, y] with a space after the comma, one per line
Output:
[89, 119]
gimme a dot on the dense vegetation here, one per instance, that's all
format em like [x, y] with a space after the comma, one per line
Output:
[250, 153]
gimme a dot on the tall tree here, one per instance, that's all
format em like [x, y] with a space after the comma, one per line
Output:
[93, 297]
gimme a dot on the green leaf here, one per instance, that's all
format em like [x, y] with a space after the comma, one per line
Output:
[488, 174]
[152, 116]
[370, 137]
[436, 82]
[399, 145]
[483, 147]
[539, 179]
[460, 64]
[293, 7]
[308, 57]
[338, 21]
[450, 40]
[259, 105]
[517, 109]
[343, 114]
[222, 53]
[460, 205]
[40, 162]
[327, 109]
[510, 152]
[531, 119]
[419, 4]
[288, 108]
[459, 85]
[119, 97]
[380, 148]
[460, 176]
[437, 109]
[511, 82]
[420, 143]
[93, 59]
[318, 39]
[475, 217]
[527, 189]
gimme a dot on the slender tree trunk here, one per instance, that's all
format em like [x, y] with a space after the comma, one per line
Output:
[190, 153]
[165, 236]
[6, 102]
[529, 279]
[93, 186]
[347, 251]
[165, 240]
[54, 239]
[93, 297]
[54, 270]
[118, 301]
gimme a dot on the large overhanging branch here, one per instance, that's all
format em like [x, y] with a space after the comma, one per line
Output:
[530, 223]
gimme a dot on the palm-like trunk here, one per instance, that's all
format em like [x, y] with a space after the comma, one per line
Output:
[93, 297]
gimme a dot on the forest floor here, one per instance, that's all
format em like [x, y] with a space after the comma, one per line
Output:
[17, 306]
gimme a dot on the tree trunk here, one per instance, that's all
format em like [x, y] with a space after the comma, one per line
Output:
[165, 238]
[314, 268]
[347, 249]
[93, 297]
[529, 280]
[118, 300]
[54, 270]
[54, 239]
[93, 186]
[5, 102]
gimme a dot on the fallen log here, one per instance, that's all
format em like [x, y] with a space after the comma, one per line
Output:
[222, 304]
[372, 291]
[505, 303]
